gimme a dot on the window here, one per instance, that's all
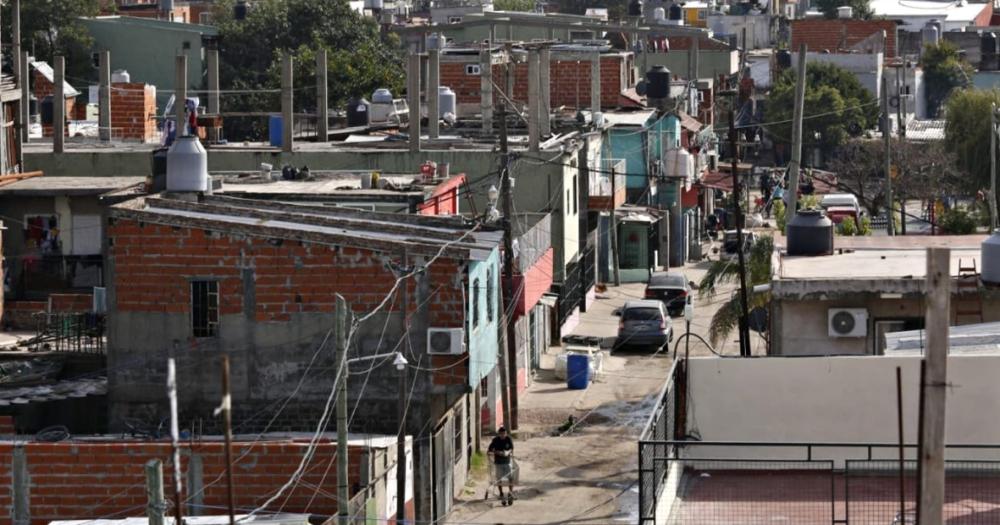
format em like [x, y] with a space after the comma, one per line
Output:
[41, 234]
[569, 203]
[454, 19]
[205, 18]
[489, 296]
[204, 308]
[475, 304]
[472, 69]
[576, 203]
[457, 424]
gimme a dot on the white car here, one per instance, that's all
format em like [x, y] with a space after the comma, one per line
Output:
[841, 200]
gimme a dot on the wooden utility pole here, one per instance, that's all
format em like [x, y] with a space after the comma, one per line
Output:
[154, 492]
[887, 140]
[227, 419]
[796, 163]
[936, 358]
[343, 496]
[744, 323]
[507, 308]
[175, 438]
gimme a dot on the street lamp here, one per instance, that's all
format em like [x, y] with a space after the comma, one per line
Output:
[492, 213]
[400, 363]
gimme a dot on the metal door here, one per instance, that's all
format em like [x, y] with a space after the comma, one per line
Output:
[443, 461]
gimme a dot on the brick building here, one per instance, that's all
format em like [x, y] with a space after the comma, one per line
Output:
[94, 476]
[258, 280]
[133, 111]
[43, 86]
[833, 36]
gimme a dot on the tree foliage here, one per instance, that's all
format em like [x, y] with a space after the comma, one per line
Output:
[967, 134]
[758, 264]
[514, 5]
[52, 27]
[837, 107]
[944, 72]
[359, 60]
[859, 7]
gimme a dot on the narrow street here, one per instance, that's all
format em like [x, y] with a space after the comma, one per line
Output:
[586, 473]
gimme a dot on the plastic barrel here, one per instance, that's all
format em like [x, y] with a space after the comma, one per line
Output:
[274, 130]
[577, 372]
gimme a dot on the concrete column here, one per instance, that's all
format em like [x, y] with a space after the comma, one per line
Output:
[180, 94]
[287, 118]
[534, 100]
[545, 85]
[15, 23]
[21, 496]
[104, 97]
[322, 98]
[486, 89]
[214, 106]
[413, 99]
[58, 107]
[595, 83]
[433, 100]
[25, 98]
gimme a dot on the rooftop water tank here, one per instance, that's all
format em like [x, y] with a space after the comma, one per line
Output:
[446, 101]
[187, 166]
[358, 112]
[382, 96]
[676, 13]
[658, 82]
[930, 34]
[810, 232]
[991, 259]
[240, 10]
[635, 8]
[435, 41]
[677, 162]
[845, 11]
[659, 14]
[120, 76]
[784, 59]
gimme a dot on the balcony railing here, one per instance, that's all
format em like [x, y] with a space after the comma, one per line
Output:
[607, 185]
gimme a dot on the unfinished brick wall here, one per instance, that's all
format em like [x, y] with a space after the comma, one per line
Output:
[70, 302]
[153, 264]
[43, 88]
[468, 88]
[133, 111]
[82, 480]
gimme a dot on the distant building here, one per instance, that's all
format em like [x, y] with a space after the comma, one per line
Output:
[914, 15]
[844, 35]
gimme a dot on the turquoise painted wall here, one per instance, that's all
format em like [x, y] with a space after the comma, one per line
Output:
[483, 289]
[627, 143]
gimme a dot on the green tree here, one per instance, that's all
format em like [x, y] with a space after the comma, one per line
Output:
[944, 72]
[52, 27]
[727, 317]
[967, 134]
[837, 107]
[514, 5]
[359, 60]
[860, 8]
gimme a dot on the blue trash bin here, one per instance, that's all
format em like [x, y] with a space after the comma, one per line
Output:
[577, 372]
[275, 131]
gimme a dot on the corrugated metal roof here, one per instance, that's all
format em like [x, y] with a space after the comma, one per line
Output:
[46, 70]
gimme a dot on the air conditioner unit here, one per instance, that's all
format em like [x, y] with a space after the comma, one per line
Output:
[847, 322]
[445, 341]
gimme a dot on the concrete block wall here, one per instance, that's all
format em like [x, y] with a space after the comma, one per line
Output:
[90, 479]
[133, 111]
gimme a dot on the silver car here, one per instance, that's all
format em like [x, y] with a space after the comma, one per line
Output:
[644, 324]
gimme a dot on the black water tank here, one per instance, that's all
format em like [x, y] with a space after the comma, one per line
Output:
[635, 8]
[358, 112]
[240, 10]
[784, 59]
[47, 111]
[658, 82]
[675, 12]
[810, 233]
[988, 43]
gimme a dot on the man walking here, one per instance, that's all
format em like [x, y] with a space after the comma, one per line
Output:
[501, 449]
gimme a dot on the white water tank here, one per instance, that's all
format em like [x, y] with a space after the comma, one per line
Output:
[435, 41]
[677, 162]
[382, 96]
[845, 11]
[930, 34]
[659, 15]
[120, 76]
[446, 101]
[187, 166]
[991, 258]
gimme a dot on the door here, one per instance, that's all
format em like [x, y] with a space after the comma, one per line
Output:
[444, 461]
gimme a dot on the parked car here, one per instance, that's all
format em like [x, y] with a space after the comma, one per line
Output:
[672, 288]
[644, 324]
[837, 214]
[729, 244]
[841, 200]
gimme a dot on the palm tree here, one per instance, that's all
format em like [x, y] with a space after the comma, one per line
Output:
[758, 263]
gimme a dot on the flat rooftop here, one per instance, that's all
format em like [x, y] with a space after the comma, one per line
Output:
[50, 186]
[870, 264]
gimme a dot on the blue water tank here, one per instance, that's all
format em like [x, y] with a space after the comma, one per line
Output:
[274, 131]
[577, 371]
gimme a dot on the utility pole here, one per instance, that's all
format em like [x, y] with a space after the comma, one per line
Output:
[507, 311]
[287, 104]
[401, 446]
[104, 98]
[796, 163]
[901, 135]
[343, 497]
[932, 473]
[615, 266]
[322, 97]
[744, 316]
[154, 492]
[58, 108]
[887, 139]
[993, 167]
[227, 419]
[175, 438]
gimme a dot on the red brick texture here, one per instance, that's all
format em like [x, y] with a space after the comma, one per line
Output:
[70, 302]
[153, 264]
[82, 480]
[569, 81]
[833, 35]
[20, 315]
[133, 111]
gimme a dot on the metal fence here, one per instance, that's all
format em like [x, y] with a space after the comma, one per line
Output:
[659, 430]
[69, 332]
